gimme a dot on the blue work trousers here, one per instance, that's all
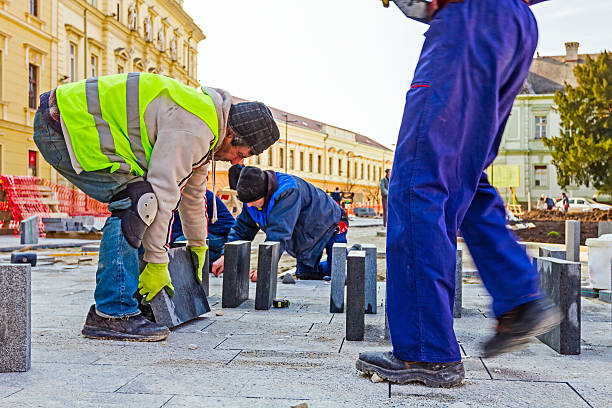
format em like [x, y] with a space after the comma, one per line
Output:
[117, 274]
[474, 61]
[323, 268]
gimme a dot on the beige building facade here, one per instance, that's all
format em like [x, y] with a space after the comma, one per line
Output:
[47, 43]
[324, 155]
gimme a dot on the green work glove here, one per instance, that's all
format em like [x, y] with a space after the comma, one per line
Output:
[154, 278]
[198, 256]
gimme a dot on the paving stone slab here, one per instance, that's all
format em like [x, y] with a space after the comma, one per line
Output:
[29, 232]
[244, 402]
[551, 252]
[338, 278]
[281, 343]
[597, 393]
[29, 397]
[189, 300]
[487, 393]
[572, 240]
[15, 318]
[355, 295]
[370, 278]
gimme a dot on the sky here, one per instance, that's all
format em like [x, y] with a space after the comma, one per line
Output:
[347, 63]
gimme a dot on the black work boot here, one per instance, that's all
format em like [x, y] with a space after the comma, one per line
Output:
[133, 328]
[392, 369]
[516, 327]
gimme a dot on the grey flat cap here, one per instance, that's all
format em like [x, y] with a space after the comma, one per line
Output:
[253, 125]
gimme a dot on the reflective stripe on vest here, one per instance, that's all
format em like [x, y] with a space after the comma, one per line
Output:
[105, 118]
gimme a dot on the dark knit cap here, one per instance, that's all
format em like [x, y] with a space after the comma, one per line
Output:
[233, 174]
[252, 184]
[253, 125]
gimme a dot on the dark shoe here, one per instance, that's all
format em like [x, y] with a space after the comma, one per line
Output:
[392, 369]
[134, 328]
[517, 326]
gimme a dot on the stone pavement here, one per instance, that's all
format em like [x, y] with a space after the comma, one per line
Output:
[282, 357]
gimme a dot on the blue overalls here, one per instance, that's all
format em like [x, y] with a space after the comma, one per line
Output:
[474, 61]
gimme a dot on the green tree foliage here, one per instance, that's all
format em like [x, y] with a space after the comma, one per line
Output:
[583, 150]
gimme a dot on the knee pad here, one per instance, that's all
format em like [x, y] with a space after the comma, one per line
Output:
[140, 214]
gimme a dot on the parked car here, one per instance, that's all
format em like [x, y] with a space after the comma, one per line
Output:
[581, 204]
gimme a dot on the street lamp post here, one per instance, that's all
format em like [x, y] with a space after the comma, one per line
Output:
[286, 141]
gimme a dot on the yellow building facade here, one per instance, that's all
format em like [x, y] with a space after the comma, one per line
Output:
[324, 155]
[45, 43]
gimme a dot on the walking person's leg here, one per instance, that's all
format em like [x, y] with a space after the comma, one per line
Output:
[384, 205]
[450, 126]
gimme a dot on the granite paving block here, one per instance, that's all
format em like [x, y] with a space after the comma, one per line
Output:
[28, 397]
[29, 230]
[189, 300]
[370, 278]
[355, 296]
[15, 318]
[458, 305]
[561, 281]
[338, 278]
[572, 240]
[236, 273]
[550, 252]
[604, 227]
[267, 270]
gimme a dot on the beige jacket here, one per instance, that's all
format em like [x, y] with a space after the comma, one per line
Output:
[178, 169]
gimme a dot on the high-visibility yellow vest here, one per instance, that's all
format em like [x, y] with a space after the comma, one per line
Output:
[105, 117]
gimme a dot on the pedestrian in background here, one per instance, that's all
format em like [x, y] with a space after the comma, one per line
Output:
[384, 192]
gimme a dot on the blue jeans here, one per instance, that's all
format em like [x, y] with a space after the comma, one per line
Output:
[473, 63]
[323, 268]
[117, 274]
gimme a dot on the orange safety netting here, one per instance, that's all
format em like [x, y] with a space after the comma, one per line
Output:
[25, 198]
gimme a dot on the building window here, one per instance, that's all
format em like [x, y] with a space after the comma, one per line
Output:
[310, 162]
[270, 158]
[32, 163]
[301, 161]
[369, 178]
[339, 167]
[540, 176]
[540, 127]
[258, 159]
[355, 173]
[120, 69]
[348, 169]
[292, 159]
[331, 164]
[32, 86]
[33, 7]
[281, 155]
[362, 173]
[72, 58]
[1, 70]
[118, 10]
[94, 65]
[319, 165]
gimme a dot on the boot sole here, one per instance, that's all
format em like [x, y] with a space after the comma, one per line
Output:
[452, 376]
[104, 334]
[551, 320]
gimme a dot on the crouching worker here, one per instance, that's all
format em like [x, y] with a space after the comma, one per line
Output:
[142, 143]
[302, 218]
[217, 230]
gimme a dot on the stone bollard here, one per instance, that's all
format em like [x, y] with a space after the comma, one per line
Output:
[15, 318]
[572, 240]
[338, 278]
[29, 230]
[355, 295]
[370, 278]
[560, 279]
[267, 269]
[549, 252]
[604, 227]
[458, 305]
[236, 273]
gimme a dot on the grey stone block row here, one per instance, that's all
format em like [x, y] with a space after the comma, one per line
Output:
[338, 277]
[29, 231]
[236, 273]
[267, 269]
[560, 279]
[549, 252]
[355, 295]
[572, 240]
[604, 227]
[15, 318]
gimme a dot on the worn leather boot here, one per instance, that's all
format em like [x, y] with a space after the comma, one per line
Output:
[517, 326]
[392, 369]
[134, 328]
